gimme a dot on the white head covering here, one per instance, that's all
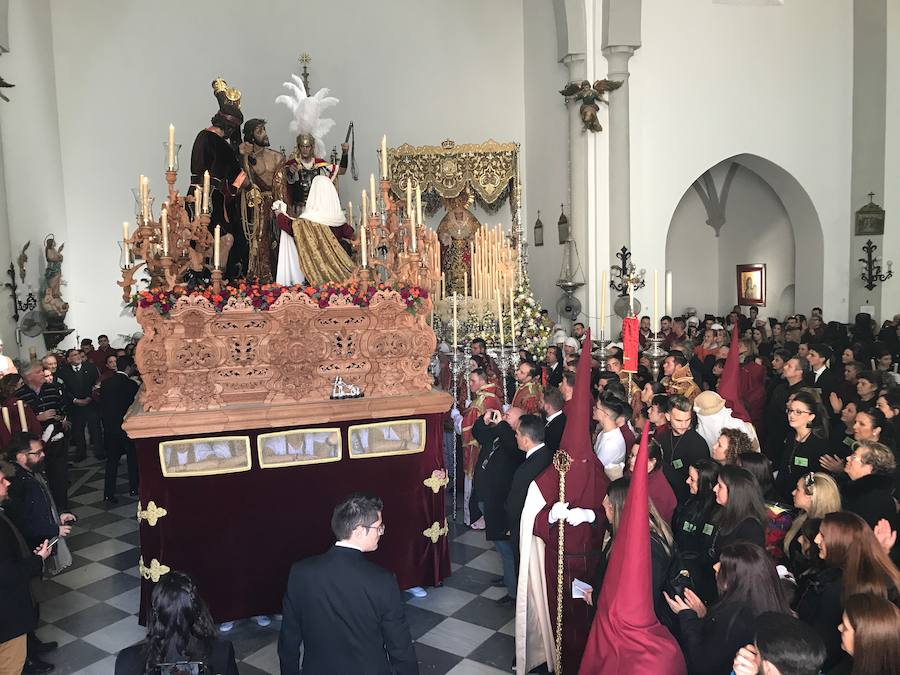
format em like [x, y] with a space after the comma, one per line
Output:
[323, 204]
[710, 426]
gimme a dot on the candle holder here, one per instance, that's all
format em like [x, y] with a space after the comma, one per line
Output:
[656, 353]
[174, 166]
[364, 275]
[217, 280]
[166, 263]
[456, 364]
[603, 351]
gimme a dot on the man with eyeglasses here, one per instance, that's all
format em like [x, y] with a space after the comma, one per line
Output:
[346, 611]
[776, 422]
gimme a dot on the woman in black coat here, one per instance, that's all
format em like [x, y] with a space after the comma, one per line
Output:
[748, 585]
[179, 629]
[692, 522]
[742, 515]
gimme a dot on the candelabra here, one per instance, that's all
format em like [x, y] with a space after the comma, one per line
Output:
[630, 278]
[602, 352]
[656, 353]
[871, 273]
[456, 365]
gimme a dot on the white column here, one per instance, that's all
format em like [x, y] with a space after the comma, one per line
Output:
[619, 150]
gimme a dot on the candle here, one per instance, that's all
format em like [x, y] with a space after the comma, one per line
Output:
[23, 422]
[500, 316]
[171, 148]
[443, 286]
[412, 235]
[655, 293]
[125, 231]
[466, 284]
[603, 290]
[455, 326]
[350, 213]
[206, 192]
[125, 243]
[512, 315]
[363, 241]
[164, 226]
[419, 205]
[372, 191]
[216, 247]
[409, 211]
[384, 158]
[6, 418]
[364, 213]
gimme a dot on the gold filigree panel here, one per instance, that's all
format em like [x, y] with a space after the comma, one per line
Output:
[385, 439]
[299, 447]
[211, 456]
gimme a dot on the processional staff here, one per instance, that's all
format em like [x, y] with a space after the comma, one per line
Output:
[561, 462]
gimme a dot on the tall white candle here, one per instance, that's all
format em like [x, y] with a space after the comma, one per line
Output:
[164, 226]
[216, 247]
[5, 412]
[500, 315]
[455, 326]
[206, 192]
[171, 148]
[419, 205]
[350, 213]
[409, 211]
[373, 193]
[384, 158]
[364, 244]
[23, 422]
[512, 315]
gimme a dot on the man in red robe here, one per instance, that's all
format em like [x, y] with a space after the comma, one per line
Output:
[580, 512]
[529, 394]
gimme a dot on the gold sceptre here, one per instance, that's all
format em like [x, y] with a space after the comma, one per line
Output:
[562, 462]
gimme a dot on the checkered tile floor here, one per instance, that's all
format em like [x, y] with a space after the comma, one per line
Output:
[91, 608]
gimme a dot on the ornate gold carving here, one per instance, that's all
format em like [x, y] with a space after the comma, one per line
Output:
[438, 479]
[155, 571]
[435, 532]
[486, 168]
[197, 359]
[151, 514]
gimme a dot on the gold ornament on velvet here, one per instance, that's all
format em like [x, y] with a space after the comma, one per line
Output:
[155, 571]
[435, 532]
[151, 514]
[437, 480]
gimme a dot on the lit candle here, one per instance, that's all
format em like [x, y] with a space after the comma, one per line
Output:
[384, 158]
[206, 192]
[6, 418]
[125, 231]
[419, 205]
[23, 422]
[216, 247]
[372, 192]
[164, 226]
[455, 326]
[512, 315]
[655, 308]
[500, 316]
[125, 243]
[363, 240]
[171, 148]
[350, 213]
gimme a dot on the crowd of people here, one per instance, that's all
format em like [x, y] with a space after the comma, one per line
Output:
[53, 410]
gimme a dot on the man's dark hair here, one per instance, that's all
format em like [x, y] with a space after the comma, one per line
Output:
[554, 398]
[789, 644]
[679, 357]
[86, 341]
[250, 126]
[613, 357]
[663, 402]
[679, 320]
[578, 323]
[533, 370]
[69, 352]
[569, 378]
[857, 365]
[615, 388]
[754, 308]
[613, 406]
[479, 341]
[357, 509]
[101, 336]
[123, 363]
[19, 442]
[532, 426]
[480, 372]
[666, 317]
[678, 402]
[821, 349]
[784, 354]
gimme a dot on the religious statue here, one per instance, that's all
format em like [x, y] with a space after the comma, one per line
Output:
[305, 162]
[589, 97]
[265, 167]
[215, 153]
[51, 301]
[455, 231]
[22, 260]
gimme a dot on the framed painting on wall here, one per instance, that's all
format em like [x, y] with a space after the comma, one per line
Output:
[751, 284]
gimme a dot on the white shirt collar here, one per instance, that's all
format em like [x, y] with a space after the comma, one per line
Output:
[346, 544]
[554, 416]
[533, 450]
[820, 370]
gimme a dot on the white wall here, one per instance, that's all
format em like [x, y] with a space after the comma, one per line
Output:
[890, 297]
[713, 81]
[420, 71]
[757, 230]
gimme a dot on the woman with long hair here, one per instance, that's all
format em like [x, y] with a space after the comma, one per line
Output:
[742, 515]
[179, 628]
[870, 634]
[748, 585]
[815, 496]
[692, 523]
[658, 489]
[854, 563]
[778, 516]
[806, 442]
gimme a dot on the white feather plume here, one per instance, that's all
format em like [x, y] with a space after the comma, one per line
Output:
[307, 111]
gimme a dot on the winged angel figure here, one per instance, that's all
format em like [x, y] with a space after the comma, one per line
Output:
[589, 97]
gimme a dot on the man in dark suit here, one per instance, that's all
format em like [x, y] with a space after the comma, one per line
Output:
[556, 418]
[347, 612]
[80, 378]
[498, 460]
[116, 396]
[530, 439]
[820, 376]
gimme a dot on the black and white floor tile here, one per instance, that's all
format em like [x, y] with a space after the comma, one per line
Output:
[91, 608]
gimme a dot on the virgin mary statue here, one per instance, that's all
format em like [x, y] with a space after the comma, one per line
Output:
[309, 245]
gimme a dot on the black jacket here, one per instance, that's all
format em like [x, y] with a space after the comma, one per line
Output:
[528, 470]
[498, 459]
[116, 395]
[827, 383]
[776, 423]
[679, 452]
[797, 460]
[749, 530]
[870, 498]
[347, 612]
[709, 644]
[553, 432]
[18, 567]
[822, 608]
[692, 524]
[80, 384]
[30, 509]
[132, 660]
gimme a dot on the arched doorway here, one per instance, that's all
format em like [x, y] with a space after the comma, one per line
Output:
[745, 209]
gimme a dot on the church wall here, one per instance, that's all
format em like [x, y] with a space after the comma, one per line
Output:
[712, 81]
[545, 150]
[418, 71]
[890, 296]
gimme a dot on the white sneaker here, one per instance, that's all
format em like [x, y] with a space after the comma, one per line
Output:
[417, 592]
[226, 627]
[262, 620]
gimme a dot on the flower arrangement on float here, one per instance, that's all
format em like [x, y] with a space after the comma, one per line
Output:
[262, 296]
